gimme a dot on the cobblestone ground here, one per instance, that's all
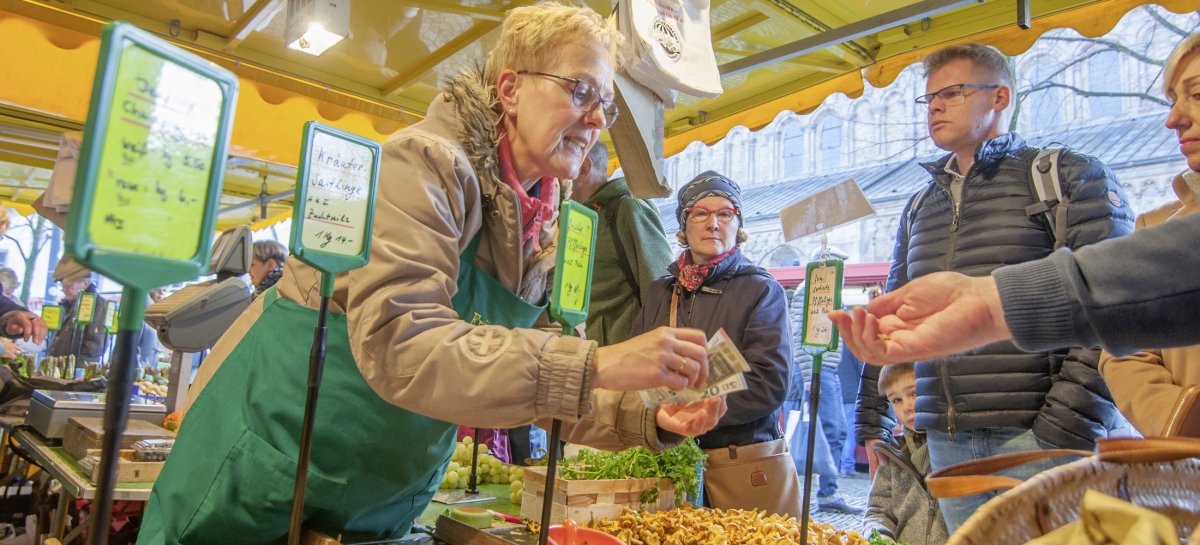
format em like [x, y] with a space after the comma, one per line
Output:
[855, 489]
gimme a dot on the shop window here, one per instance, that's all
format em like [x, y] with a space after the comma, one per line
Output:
[1104, 76]
[831, 143]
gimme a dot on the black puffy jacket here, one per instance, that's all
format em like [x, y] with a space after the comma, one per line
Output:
[1060, 395]
[752, 307]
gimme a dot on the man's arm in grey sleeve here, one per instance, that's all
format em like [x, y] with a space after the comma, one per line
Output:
[1136, 292]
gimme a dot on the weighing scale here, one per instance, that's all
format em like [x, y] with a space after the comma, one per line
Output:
[49, 410]
[193, 318]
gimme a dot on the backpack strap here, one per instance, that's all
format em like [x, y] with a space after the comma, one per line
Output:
[611, 207]
[1047, 189]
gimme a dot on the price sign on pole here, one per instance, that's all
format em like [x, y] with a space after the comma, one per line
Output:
[569, 300]
[146, 192]
[822, 295]
[331, 231]
[573, 267]
[110, 317]
[335, 200]
[85, 309]
[52, 315]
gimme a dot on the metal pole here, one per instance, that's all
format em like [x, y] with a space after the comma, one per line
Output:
[473, 482]
[116, 409]
[814, 400]
[316, 365]
[551, 471]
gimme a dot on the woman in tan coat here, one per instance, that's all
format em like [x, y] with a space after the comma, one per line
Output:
[1151, 386]
[445, 325]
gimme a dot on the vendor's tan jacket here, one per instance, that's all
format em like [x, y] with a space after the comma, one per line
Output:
[438, 185]
[1148, 386]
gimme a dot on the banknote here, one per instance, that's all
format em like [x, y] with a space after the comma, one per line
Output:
[725, 368]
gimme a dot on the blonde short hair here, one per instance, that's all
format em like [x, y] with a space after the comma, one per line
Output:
[1188, 46]
[530, 36]
[985, 58]
[892, 375]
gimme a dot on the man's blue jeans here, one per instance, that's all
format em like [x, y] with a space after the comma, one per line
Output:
[833, 422]
[981, 443]
[848, 463]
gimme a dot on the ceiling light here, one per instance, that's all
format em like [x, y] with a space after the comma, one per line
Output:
[313, 26]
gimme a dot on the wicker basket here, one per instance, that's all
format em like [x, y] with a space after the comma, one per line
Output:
[1155, 474]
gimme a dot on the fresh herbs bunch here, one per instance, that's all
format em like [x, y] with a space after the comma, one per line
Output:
[880, 539]
[678, 464]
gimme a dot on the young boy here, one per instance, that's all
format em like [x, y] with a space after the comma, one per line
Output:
[901, 508]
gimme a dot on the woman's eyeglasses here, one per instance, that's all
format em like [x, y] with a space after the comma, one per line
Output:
[952, 95]
[697, 214]
[586, 97]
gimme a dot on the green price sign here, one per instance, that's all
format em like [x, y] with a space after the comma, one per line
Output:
[85, 308]
[335, 199]
[152, 161]
[822, 295]
[110, 316]
[573, 267]
[52, 315]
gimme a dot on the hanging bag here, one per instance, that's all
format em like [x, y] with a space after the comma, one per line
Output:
[669, 47]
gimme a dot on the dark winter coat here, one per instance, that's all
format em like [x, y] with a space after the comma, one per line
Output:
[752, 307]
[1060, 395]
[89, 342]
[900, 505]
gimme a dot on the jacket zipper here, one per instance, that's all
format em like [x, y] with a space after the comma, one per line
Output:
[962, 194]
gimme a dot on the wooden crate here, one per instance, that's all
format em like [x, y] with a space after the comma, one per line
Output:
[129, 470]
[83, 434]
[584, 500]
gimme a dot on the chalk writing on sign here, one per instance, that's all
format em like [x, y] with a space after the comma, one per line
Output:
[576, 261]
[52, 315]
[86, 311]
[155, 158]
[822, 283]
[339, 179]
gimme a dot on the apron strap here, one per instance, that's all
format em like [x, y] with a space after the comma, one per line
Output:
[468, 254]
[269, 296]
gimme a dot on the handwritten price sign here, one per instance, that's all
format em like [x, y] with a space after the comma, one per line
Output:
[573, 278]
[152, 161]
[822, 295]
[335, 201]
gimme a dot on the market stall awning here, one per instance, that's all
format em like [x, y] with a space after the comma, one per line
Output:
[777, 55]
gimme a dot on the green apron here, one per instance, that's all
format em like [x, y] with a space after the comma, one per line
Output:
[374, 468]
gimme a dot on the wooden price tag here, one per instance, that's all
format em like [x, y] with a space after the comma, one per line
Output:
[573, 267]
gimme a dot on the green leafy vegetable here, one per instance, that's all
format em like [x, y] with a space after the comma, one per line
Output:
[880, 539]
[678, 465]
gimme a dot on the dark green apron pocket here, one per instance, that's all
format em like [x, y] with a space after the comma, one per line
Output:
[253, 490]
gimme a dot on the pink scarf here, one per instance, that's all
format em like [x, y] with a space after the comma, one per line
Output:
[691, 275]
[534, 210]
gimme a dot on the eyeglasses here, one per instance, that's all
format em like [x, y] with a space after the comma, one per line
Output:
[586, 97]
[697, 214]
[952, 95]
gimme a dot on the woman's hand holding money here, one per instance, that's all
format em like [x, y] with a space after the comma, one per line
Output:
[671, 357]
[691, 419]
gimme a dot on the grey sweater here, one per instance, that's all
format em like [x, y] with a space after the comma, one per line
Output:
[900, 506]
[1140, 291]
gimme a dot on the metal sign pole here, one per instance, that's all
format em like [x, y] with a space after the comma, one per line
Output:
[316, 366]
[814, 400]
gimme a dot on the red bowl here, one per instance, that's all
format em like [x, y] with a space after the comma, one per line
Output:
[585, 535]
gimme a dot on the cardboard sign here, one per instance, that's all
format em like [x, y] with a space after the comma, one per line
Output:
[825, 210]
[151, 162]
[52, 315]
[822, 295]
[572, 289]
[85, 308]
[335, 199]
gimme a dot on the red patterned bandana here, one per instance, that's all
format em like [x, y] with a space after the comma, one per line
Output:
[534, 210]
[691, 275]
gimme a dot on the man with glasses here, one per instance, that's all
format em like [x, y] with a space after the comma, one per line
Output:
[977, 214]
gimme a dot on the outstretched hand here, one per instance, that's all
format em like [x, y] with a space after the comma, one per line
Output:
[26, 325]
[691, 419]
[935, 315]
[671, 357]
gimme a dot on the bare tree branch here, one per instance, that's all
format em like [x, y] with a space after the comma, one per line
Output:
[1165, 23]
[18, 245]
[1085, 93]
[1120, 48]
